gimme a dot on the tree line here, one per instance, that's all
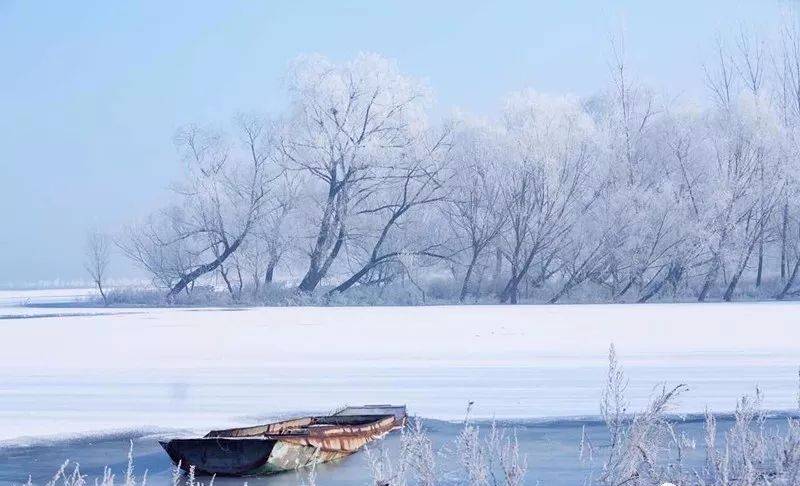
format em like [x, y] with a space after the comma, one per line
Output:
[626, 195]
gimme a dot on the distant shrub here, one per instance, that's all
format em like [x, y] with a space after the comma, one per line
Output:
[440, 287]
[201, 295]
[436, 289]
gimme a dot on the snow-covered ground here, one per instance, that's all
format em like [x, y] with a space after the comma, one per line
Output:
[10, 298]
[110, 369]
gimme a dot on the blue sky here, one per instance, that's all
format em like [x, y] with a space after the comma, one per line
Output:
[92, 92]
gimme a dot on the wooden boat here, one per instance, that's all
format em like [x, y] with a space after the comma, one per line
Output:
[286, 445]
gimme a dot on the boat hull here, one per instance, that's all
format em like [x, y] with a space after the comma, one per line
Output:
[245, 457]
[286, 445]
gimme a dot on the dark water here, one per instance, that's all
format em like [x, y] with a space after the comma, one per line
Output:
[550, 447]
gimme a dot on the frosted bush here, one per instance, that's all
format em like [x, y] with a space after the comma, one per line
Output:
[644, 448]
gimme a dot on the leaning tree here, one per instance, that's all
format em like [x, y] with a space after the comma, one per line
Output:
[348, 122]
[217, 203]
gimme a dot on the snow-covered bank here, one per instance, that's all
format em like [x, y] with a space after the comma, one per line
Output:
[42, 296]
[193, 368]
[479, 335]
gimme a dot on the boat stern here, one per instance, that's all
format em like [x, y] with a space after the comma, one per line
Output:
[221, 456]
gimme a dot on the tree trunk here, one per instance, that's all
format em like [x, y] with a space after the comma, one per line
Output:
[319, 262]
[316, 272]
[465, 284]
[784, 226]
[224, 274]
[479, 285]
[240, 284]
[738, 274]
[760, 259]
[310, 280]
[102, 292]
[711, 276]
[569, 285]
[789, 282]
[353, 279]
[256, 283]
[269, 276]
[732, 286]
[626, 288]
[498, 268]
[375, 257]
[273, 262]
[511, 291]
[653, 291]
[190, 277]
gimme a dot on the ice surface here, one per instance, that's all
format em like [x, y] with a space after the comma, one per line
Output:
[198, 369]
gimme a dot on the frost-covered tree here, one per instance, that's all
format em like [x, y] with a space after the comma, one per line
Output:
[787, 102]
[745, 183]
[98, 254]
[683, 149]
[270, 239]
[473, 209]
[746, 180]
[382, 228]
[546, 172]
[639, 206]
[348, 124]
[628, 195]
[218, 201]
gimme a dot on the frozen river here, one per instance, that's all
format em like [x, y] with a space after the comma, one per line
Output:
[59, 404]
[67, 372]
